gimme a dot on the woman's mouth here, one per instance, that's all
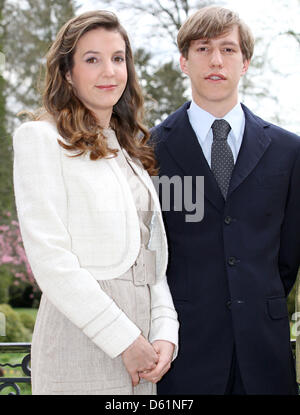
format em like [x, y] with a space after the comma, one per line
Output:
[106, 87]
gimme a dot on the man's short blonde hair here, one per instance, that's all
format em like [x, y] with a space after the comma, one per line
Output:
[211, 22]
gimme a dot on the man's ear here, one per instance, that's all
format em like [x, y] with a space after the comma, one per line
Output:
[183, 64]
[245, 67]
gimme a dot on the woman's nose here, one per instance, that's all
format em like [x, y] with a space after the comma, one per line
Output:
[108, 68]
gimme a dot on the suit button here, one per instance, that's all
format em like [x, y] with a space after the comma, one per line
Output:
[232, 261]
[228, 220]
[228, 305]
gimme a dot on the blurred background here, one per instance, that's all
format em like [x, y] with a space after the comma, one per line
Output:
[271, 88]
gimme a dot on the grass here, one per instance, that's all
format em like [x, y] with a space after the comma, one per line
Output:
[31, 311]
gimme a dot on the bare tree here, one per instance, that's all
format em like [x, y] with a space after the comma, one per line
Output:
[294, 34]
[167, 15]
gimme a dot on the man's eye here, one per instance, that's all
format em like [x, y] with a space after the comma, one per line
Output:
[202, 49]
[91, 60]
[229, 50]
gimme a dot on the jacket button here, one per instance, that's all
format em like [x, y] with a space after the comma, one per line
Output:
[228, 220]
[232, 261]
[228, 305]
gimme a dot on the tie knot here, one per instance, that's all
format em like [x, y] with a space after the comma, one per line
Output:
[220, 130]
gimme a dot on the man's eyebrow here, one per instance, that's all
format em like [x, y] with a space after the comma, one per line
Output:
[225, 42]
[229, 42]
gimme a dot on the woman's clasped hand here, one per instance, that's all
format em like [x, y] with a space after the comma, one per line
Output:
[148, 361]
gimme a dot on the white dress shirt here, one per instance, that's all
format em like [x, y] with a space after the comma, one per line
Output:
[201, 122]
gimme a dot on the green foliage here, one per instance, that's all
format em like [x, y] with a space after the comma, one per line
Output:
[164, 88]
[5, 281]
[291, 301]
[14, 328]
[6, 186]
[29, 28]
[297, 293]
[27, 320]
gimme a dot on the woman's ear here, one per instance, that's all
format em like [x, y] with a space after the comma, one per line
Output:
[68, 77]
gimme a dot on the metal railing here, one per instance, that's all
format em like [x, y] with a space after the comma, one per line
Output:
[12, 382]
[25, 348]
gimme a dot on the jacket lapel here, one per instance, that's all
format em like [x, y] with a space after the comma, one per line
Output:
[144, 176]
[183, 145]
[255, 143]
[157, 240]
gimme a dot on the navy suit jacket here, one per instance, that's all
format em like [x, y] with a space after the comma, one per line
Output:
[230, 273]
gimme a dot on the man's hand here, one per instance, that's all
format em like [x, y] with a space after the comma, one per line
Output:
[140, 356]
[165, 350]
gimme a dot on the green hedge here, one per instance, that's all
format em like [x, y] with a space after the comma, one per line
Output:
[15, 330]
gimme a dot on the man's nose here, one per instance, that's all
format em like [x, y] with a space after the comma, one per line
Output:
[216, 58]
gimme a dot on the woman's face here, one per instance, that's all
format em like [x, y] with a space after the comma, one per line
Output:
[99, 73]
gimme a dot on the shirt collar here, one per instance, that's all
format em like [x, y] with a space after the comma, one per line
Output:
[235, 117]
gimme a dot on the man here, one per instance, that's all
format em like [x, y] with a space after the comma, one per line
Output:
[230, 272]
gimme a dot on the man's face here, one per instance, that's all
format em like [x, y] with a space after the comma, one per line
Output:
[215, 67]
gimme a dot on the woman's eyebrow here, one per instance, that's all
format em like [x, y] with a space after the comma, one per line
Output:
[98, 53]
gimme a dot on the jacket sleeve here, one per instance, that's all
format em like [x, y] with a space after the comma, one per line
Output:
[41, 201]
[164, 322]
[289, 253]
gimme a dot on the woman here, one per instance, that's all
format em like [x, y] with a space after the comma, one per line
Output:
[91, 222]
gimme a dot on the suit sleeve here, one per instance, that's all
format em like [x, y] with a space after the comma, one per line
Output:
[289, 253]
[41, 201]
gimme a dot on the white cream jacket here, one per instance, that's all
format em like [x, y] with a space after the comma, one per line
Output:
[79, 224]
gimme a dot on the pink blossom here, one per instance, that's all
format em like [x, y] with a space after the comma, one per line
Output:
[12, 254]
[6, 259]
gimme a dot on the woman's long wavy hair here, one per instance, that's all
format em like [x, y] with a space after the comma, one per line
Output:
[76, 123]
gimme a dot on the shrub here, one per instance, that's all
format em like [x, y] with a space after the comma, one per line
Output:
[291, 301]
[14, 328]
[27, 320]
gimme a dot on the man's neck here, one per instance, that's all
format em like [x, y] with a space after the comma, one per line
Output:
[217, 109]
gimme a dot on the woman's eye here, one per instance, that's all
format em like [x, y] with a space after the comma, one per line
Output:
[119, 59]
[91, 60]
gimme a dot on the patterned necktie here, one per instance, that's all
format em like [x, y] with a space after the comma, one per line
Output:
[222, 162]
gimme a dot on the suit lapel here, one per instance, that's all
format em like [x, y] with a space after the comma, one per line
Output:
[255, 143]
[183, 145]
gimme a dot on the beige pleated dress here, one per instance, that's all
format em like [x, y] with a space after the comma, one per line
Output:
[64, 361]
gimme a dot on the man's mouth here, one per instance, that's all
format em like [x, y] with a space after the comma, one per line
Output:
[216, 77]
